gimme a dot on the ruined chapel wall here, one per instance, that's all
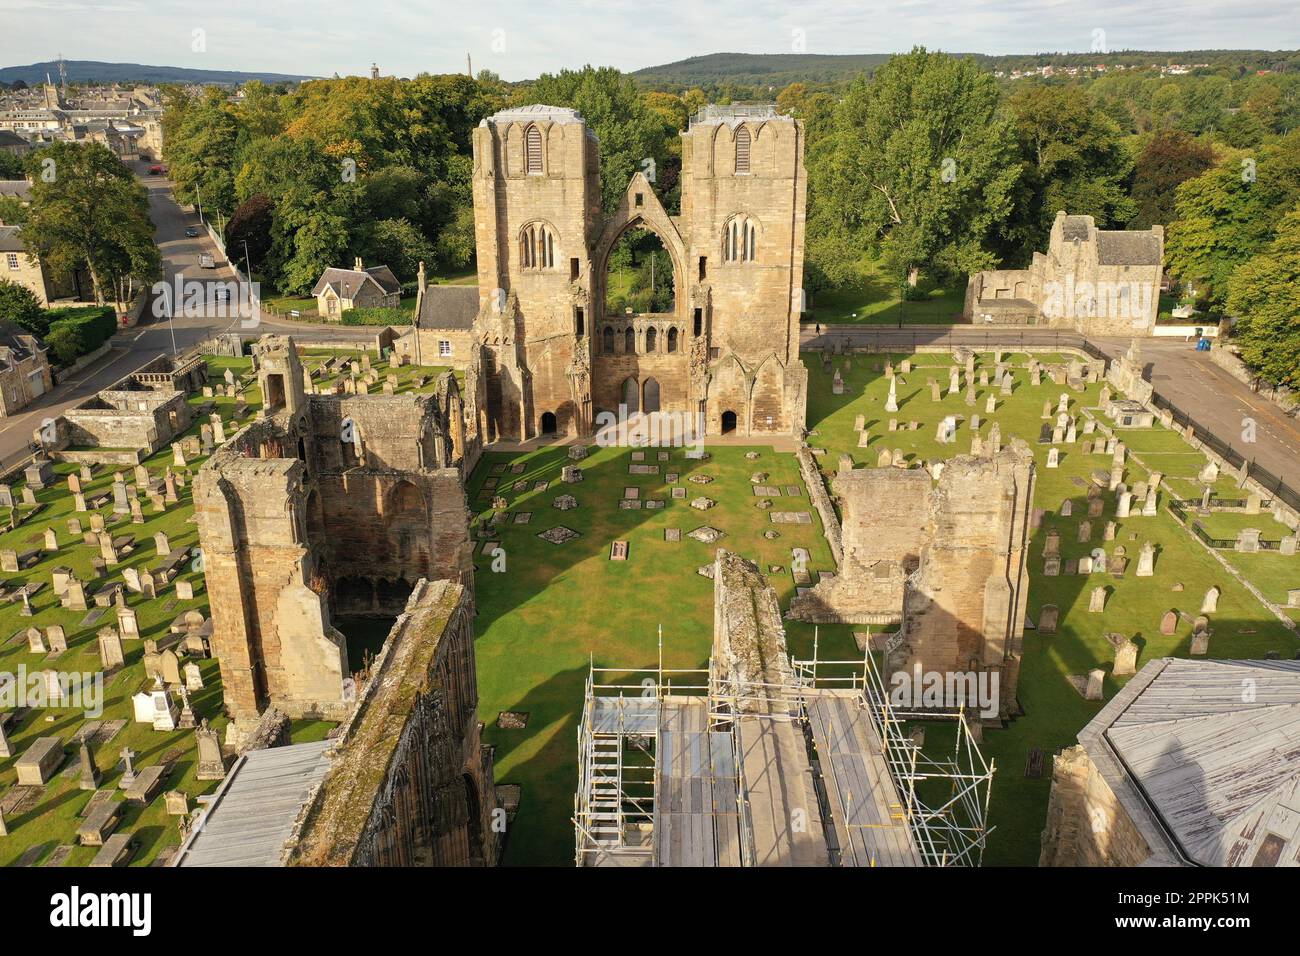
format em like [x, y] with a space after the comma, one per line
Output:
[1086, 824]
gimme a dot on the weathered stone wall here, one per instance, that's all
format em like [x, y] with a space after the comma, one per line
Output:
[948, 562]
[749, 648]
[410, 783]
[127, 418]
[965, 603]
[1086, 825]
[333, 505]
[821, 500]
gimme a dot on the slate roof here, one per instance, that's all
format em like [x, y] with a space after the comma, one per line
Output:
[11, 239]
[1209, 773]
[448, 307]
[16, 345]
[1076, 228]
[381, 276]
[19, 188]
[252, 814]
[1137, 247]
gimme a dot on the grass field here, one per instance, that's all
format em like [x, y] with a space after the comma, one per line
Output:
[556, 608]
[877, 300]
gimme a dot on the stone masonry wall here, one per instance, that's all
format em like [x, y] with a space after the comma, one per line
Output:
[1086, 825]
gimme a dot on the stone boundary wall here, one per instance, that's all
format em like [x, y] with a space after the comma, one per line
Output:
[821, 500]
[1230, 362]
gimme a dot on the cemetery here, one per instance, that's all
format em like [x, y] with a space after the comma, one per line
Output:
[100, 573]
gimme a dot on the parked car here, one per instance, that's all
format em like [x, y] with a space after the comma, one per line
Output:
[206, 261]
[191, 232]
[155, 170]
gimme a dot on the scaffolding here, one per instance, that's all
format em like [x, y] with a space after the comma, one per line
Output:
[641, 730]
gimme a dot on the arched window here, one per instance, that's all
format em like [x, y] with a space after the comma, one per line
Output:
[533, 150]
[607, 339]
[742, 150]
[650, 336]
[537, 247]
[629, 341]
[740, 241]
[672, 339]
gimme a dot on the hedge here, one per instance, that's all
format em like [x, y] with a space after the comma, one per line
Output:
[376, 317]
[78, 330]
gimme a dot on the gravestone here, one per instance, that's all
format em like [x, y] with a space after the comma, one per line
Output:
[1048, 618]
[1169, 623]
[1125, 655]
[1097, 601]
[1146, 566]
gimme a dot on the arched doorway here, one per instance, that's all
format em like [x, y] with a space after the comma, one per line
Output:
[728, 422]
[650, 399]
[639, 274]
[631, 396]
[548, 424]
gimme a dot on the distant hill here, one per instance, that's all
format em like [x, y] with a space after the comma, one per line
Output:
[757, 69]
[779, 69]
[86, 71]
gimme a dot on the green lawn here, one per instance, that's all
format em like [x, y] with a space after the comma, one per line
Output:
[876, 300]
[555, 608]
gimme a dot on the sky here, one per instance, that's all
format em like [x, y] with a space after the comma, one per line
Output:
[519, 39]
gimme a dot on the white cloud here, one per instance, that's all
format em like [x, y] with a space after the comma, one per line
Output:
[522, 38]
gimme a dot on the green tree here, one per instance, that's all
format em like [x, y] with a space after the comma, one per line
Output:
[921, 166]
[19, 305]
[201, 154]
[1265, 295]
[1169, 158]
[88, 208]
[629, 131]
[1074, 160]
[1230, 213]
[397, 244]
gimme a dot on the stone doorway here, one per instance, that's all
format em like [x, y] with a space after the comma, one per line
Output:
[728, 422]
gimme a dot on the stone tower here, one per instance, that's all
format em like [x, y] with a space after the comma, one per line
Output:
[536, 205]
[552, 358]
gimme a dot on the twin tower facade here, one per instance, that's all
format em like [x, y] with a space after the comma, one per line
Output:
[551, 360]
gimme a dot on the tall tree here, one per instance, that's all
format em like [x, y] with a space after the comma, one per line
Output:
[1265, 294]
[1230, 213]
[1074, 160]
[1169, 158]
[921, 166]
[87, 208]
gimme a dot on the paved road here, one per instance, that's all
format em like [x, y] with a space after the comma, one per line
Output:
[1187, 378]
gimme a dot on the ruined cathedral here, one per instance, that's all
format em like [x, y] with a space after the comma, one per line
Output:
[549, 358]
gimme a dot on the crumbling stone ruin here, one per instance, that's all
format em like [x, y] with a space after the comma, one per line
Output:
[143, 411]
[945, 562]
[410, 782]
[328, 505]
[549, 358]
[404, 781]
